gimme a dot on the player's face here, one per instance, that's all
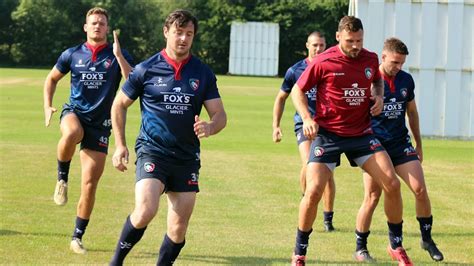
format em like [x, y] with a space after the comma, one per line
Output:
[315, 45]
[179, 39]
[96, 28]
[392, 63]
[350, 42]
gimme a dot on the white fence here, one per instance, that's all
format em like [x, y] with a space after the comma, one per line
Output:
[439, 36]
[254, 48]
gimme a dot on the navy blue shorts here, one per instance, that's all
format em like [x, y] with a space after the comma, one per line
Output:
[175, 177]
[400, 150]
[300, 137]
[96, 136]
[328, 147]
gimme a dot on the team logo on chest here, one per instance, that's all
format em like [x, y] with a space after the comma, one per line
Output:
[368, 72]
[194, 83]
[404, 92]
[107, 63]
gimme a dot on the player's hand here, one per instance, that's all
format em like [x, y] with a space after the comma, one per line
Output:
[277, 134]
[376, 109]
[48, 114]
[202, 129]
[419, 151]
[116, 46]
[310, 128]
[120, 158]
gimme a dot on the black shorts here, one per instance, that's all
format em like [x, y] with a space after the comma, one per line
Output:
[328, 147]
[96, 135]
[400, 150]
[175, 177]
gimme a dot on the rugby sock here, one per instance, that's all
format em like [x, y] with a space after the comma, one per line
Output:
[302, 239]
[361, 240]
[128, 238]
[395, 234]
[169, 251]
[80, 229]
[328, 216]
[63, 170]
[425, 227]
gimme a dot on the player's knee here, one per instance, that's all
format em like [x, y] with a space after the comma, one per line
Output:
[313, 195]
[143, 216]
[421, 194]
[392, 187]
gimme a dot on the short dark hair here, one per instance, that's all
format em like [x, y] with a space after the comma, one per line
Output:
[350, 23]
[395, 45]
[317, 34]
[181, 17]
[99, 11]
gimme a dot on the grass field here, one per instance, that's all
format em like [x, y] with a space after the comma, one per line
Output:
[247, 208]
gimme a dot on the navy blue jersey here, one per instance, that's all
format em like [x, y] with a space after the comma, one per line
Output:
[390, 124]
[95, 78]
[292, 75]
[169, 100]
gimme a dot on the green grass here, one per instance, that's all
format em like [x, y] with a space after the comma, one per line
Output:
[246, 212]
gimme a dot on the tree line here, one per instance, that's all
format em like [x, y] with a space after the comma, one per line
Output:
[35, 32]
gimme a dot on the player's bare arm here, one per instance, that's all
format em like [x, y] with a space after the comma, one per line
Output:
[278, 108]
[124, 65]
[377, 91]
[119, 117]
[414, 122]
[310, 127]
[50, 85]
[218, 119]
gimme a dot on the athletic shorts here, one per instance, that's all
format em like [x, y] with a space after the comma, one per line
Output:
[300, 137]
[400, 150]
[175, 177]
[96, 136]
[328, 147]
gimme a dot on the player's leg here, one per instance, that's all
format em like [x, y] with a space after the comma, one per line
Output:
[412, 173]
[303, 147]
[180, 208]
[372, 193]
[71, 134]
[380, 167]
[328, 202]
[147, 198]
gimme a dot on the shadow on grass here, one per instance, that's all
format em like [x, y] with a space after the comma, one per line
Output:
[405, 233]
[4, 232]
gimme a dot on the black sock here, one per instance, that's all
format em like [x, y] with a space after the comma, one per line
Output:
[128, 238]
[63, 170]
[80, 228]
[395, 234]
[425, 227]
[361, 240]
[169, 251]
[302, 239]
[328, 216]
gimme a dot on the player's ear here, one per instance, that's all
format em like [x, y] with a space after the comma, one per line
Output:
[85, 27]
[165, 32]
[337, 35]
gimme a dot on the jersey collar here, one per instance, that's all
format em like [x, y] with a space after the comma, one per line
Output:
[177, 66]
[390, 81]
[95, 50]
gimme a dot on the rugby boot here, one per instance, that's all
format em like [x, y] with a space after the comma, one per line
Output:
[77, 247]
[298, 260]
[60, 193]
[363, 255]
[328, 227]
[432, 249]
[400, 255]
